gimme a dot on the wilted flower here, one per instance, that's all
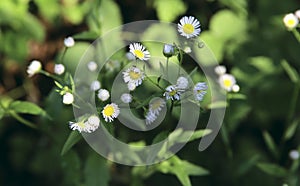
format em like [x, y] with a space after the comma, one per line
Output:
[68, 98]
[126, 98]
[139, 51]
[69, 42]
[59, 69]
[34, 67]
[290, 21]
[200, 90]
[103, 94]
[110, 111]
[189, 27]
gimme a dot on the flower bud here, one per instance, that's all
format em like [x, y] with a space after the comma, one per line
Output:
[169, 50]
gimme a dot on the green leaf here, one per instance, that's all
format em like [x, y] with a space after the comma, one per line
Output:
[194, 170]
[290, 131]
[2, 112]
[73, 138]
[292, 73]
[270, 143]
[273, 169]
[168, 10]
[263, 64]
[96, 171]
[72, 169]
[26, 107]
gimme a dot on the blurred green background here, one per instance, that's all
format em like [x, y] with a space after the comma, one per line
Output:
[248, 37]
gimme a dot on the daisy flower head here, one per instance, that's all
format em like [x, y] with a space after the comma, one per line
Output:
[69, 42]
[172, 93]
[126, 98]
[88, 126]
[110, 112]
[227, 81]
[290, 21]
[133, 75]
[103, 94]
[220, 70]
[34, 67]
[139, 51]
[59, 69]
[200, 90]
[68, 98]
[182, 83]
[80, 126]
[156, 105]
[189, 27]
[95, 85]
[150, 117]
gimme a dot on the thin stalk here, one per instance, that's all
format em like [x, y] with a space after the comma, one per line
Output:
[296, 34]
[294, 101]
[22, 120]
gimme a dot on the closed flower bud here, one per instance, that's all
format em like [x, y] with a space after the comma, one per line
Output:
[169, 50]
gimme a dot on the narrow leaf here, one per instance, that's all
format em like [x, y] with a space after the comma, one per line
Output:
[270, 143]
[292, 73]
[73, 138]
[273, 169]
[289, 133]
[26, 107]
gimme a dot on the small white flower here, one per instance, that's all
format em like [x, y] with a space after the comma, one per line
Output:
[227, 81]
[126, 98]
[220, 70]
[187, 50]
[88, 126]
[94, 122]
[92, 66]
[156, 105]
[133, 75]
[34, 67]
[150, 118]
[95, 85]
[139, 51]
[182, 83]
[200, 90]
[131, 86]
[297, 13]
[290, 21]
[110, 111]
[130, 56]
[189, 27]
[59, 69]
[236, 88]
[68, 98]
[80, 126]
[103, 94]
[294, 154]
[69, 42]
[172, 93]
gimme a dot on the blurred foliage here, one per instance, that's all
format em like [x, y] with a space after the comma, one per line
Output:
[260, 128]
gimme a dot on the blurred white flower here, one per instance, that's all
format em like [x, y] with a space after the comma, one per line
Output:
[139, 51]
[95, 85]
[156, 105]
[69, 42]
[200, 90]
[59, 69]
[89, 126]
[290, 21]
[133, 75]
[294, 154]
[236, 88]
[189, 27]
[150, 118]
[297, 13]
[131, 86]
[182, 83]
[92, 66]
[172, 93]
[68, 98]
[34, 67]
[220, 70]
[227, 81]
[110, 111]
[103, 94]
[126, 98]
[130, 56]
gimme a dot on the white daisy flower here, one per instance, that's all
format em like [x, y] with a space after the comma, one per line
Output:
[92, 66]
[68, 98]
[134, 75]
[236, 88]
[200, 90]
[34, 67]
[80, 126]
[103, 94]
[131, 86]
[139, 51]
[297, 13]
[182, 83]
[126, 98]
[220, 70]
[150, 118]
[69, 42]
[95, 85]
[88, 126]
[59, 69]
[227, 81]
[110, 111]
[290, 21]
[189, 27]
[294, 154]
[172, 93]
[156, 105]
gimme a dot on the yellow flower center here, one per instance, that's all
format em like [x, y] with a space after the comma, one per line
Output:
[291, 22]
[139, 54]
[81, 124]
[108, 110]
[156, 104]
[188, 28]
[172, 93]
[134, 75]
[227, 82]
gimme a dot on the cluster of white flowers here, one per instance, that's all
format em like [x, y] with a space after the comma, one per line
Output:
[155, 108]
[291, 20]
[90, 125]
[225, 80]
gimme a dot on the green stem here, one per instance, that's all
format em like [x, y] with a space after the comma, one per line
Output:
[294, 101]
[50, 75]
[296, 34]
[180, 62]
[154, 83]
[22, 120]
[167, 68]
